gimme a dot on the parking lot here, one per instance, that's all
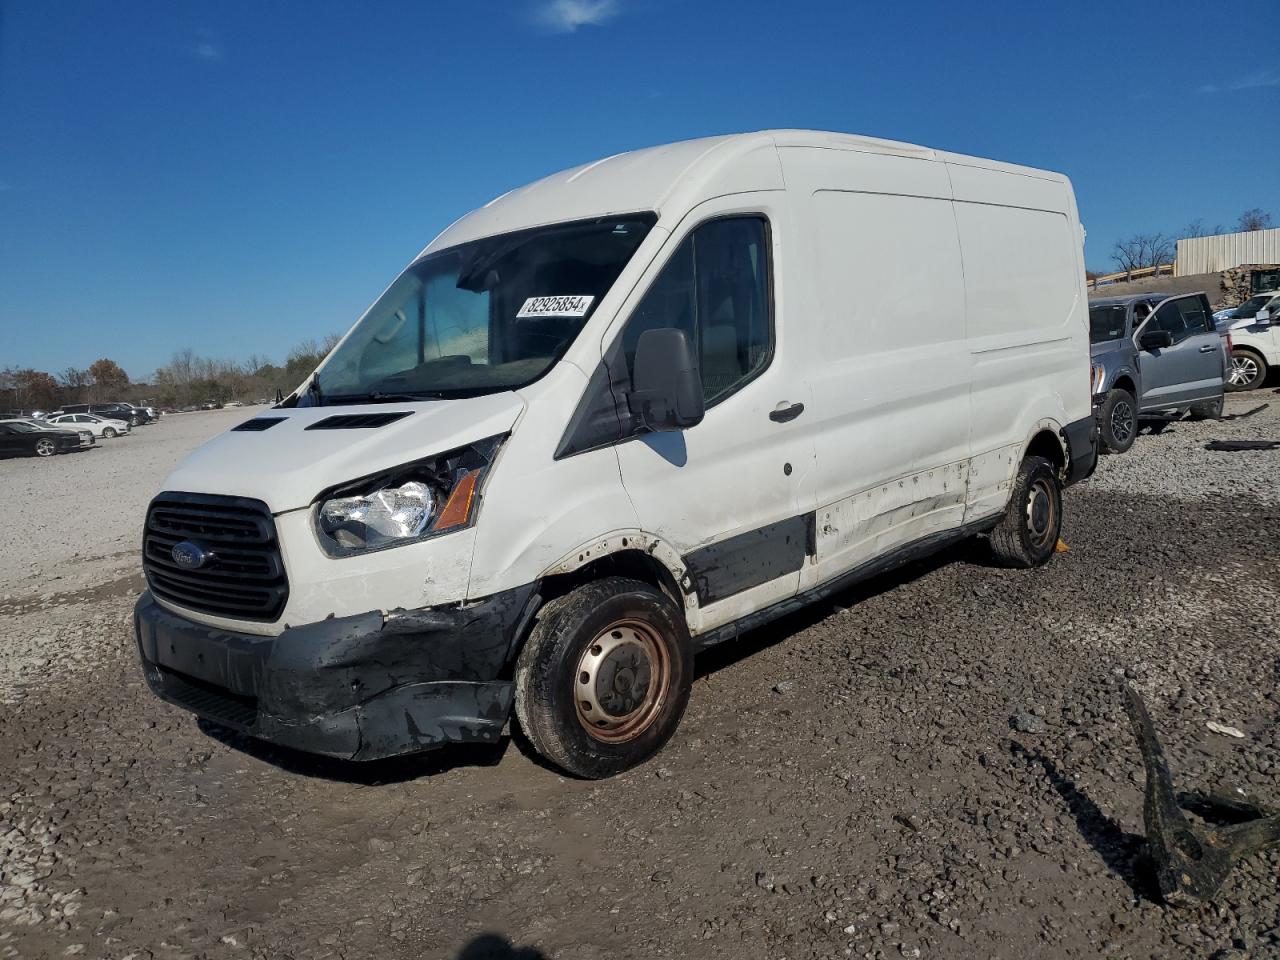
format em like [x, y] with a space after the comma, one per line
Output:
[937, 764]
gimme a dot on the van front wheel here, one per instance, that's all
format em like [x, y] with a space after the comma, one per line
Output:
[1027, 534]
[604, 677]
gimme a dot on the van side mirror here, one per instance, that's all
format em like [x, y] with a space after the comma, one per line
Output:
[1264, 316]
[1155, 339]
[666, 388]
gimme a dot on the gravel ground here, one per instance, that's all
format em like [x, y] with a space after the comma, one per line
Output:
[84, 511]
[935, 765]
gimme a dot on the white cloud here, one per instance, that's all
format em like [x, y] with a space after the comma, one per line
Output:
[207, 47]
[566, 16]
[1255, 81]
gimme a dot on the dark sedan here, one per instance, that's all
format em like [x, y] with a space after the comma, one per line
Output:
[23, 439]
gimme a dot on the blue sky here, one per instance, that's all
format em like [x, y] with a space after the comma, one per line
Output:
[236, 176]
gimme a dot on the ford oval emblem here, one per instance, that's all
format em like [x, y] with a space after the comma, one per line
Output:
[190, 555]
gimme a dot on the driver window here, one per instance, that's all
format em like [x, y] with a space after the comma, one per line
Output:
[1169, 318]
[715, 288]
[1194, 315]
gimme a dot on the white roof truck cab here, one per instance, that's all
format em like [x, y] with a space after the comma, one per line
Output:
[614, 417]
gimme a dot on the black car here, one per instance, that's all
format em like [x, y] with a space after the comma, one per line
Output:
[111, 411]
[23, 439]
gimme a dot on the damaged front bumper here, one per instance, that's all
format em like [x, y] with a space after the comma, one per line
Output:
[362, 688]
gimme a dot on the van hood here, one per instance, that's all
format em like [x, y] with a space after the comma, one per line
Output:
[286, 465]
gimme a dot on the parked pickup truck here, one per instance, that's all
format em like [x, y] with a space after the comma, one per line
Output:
[1154, 355]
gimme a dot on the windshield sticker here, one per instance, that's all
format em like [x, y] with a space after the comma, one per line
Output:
[555, 307]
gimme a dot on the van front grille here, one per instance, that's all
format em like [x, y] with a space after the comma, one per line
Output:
[239, 574]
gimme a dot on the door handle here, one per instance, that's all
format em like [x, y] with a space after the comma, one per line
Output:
[786, 411]
[1209, 348]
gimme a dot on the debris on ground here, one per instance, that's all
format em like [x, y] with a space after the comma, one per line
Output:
[1225, 730]
[1236, 446]
[1247, 413]
[1192, 862]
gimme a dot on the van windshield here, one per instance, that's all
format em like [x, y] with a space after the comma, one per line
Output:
[482, 317]
[1106, 323]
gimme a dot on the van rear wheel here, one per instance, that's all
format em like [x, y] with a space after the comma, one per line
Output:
[1027, 534]
[604, 677]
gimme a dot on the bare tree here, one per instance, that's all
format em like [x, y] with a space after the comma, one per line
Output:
[1255, 219]
[75, 380]
[181, 367]
[1143, 250]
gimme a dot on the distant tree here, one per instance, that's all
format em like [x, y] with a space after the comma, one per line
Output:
[1143, 250]
[182, 365]
[1197, 228]
[74, 382]
[1255, 219]
[108, 378]
[108, 373]
[305, 357]
[29, 389]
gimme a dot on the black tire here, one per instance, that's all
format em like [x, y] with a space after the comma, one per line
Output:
[1208, 409]
[45, 447]
[1248, 370]
[109, 433]
[1027, 534]
[634, 694]
[1118, 421]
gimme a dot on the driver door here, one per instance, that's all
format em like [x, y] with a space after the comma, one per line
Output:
[728, 493]
[1190, 368]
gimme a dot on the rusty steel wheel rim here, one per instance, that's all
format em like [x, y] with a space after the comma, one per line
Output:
[621, 682]
[1042, 512]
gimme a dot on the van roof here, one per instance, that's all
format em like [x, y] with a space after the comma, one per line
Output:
[680, 174]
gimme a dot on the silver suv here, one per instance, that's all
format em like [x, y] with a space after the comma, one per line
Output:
[1153, 355]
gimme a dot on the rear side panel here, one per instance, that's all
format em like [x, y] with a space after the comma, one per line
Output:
[1027, 317]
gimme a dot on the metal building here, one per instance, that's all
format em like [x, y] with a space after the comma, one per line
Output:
[1227, 250]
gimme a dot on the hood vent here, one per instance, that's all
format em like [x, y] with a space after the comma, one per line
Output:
[359, 421]
[258, 424]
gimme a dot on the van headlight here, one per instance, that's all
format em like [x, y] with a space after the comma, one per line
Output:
[413, 502]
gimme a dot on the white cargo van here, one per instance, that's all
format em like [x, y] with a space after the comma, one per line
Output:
[614, 417]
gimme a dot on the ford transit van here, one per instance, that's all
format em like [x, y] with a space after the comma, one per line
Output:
[613, 418]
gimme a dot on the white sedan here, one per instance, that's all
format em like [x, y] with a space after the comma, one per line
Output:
[98, 426]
